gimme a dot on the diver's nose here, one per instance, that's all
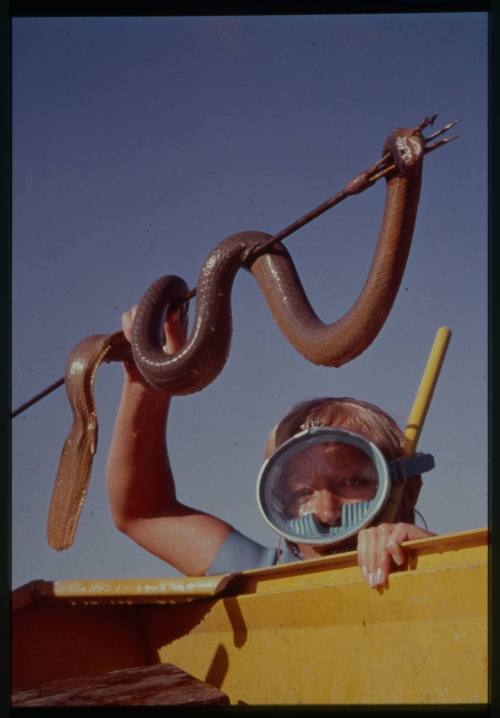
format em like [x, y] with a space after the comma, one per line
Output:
[327, 507]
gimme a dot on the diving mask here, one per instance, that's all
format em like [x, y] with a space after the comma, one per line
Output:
[326, 484]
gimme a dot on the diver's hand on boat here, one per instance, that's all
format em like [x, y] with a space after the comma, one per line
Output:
[175, 329]
[379, 548]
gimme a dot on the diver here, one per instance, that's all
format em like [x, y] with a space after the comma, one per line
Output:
[327, 470]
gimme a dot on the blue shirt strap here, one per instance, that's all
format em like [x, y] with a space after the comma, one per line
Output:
[240, 553]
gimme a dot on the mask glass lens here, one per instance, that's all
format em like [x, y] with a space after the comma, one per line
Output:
[323, 486]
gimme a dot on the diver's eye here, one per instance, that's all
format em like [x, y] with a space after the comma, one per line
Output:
[355, 482]
[302, 494]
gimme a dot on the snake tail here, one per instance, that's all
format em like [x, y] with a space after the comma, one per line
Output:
[75, 463]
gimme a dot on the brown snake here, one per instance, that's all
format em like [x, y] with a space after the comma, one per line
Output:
[203, 356]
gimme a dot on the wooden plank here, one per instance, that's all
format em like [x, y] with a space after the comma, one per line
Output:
[160, 684]
[126, 591]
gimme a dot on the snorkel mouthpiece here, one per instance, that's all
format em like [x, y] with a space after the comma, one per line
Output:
[309, 526]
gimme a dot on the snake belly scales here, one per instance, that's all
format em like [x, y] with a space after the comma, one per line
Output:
[203, 356]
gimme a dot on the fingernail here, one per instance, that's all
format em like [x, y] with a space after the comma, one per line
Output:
[365, 572]
[380, 577]
[371, 578]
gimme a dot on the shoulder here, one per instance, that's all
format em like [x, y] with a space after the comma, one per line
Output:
[240, 553]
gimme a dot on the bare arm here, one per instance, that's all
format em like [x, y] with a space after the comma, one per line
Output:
[139, 480]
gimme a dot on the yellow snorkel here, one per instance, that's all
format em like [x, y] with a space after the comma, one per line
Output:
[418, 414]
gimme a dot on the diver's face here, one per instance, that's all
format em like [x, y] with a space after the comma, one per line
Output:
[322, 478]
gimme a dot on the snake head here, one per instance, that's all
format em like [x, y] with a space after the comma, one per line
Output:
[406, 148]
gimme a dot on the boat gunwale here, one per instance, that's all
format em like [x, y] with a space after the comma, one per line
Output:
[188, 589]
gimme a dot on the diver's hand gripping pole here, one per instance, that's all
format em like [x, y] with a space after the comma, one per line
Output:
[418, 414]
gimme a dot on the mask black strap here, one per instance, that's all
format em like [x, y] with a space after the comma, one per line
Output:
[402, 469]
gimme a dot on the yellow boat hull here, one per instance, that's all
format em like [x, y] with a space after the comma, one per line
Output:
[306, 633]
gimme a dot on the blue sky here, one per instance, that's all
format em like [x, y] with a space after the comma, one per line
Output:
[140, 143]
